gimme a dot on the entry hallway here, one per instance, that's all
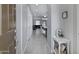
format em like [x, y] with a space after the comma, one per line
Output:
[37, 44]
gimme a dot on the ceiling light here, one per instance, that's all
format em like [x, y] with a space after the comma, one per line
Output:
[44, 16]
[36, 4]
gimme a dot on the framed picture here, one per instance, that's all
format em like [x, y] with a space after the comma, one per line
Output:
[65, 14]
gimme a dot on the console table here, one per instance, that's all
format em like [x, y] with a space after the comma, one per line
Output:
[61, 41]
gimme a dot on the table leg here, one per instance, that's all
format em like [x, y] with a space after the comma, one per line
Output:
[67, 48]
[59, 48]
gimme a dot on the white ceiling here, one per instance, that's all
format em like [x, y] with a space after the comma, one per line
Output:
[39, 10]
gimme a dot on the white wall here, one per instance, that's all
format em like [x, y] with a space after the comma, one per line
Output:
[74, 29]
[49, 27]
[67, 25]
[19, 28]
[27, 26]
[23, 27]
[55, 21]
[0, 19]
[70, 26]
[78, 28]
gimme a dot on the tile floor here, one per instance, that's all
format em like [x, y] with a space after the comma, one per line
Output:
[37, 44]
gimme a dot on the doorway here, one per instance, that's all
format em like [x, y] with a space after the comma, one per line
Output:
[38, 44]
